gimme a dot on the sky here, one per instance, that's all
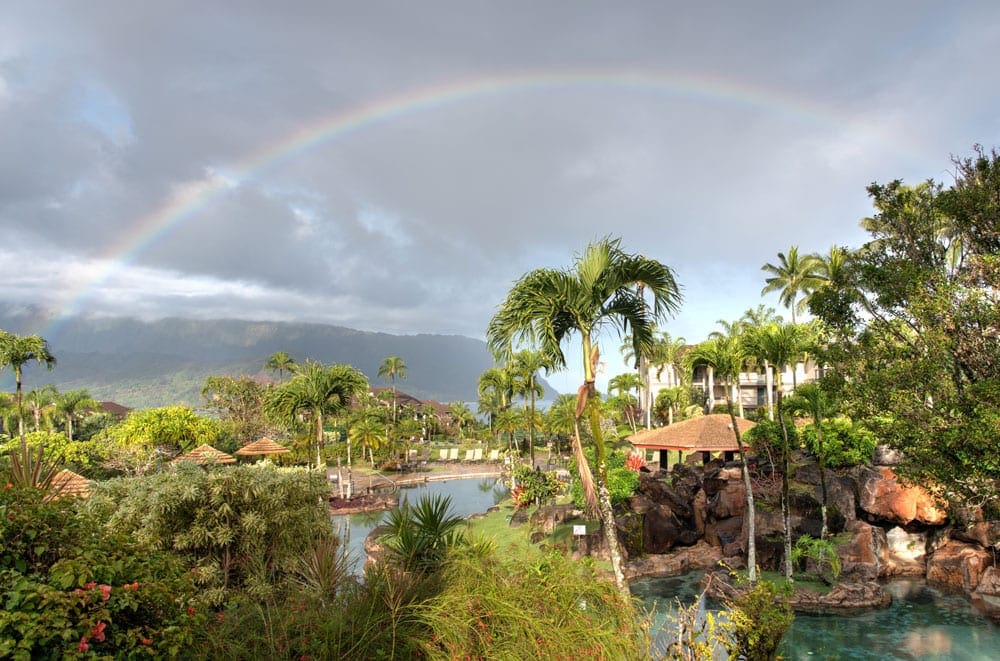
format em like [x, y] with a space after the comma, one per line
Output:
[396, 166]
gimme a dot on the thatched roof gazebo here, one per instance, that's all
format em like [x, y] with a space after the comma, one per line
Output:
[705, 434]
[68, 483]
[206, 454]
[263, 447]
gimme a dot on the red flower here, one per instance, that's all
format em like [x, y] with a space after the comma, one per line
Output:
[97, 631]
[83, 646]
[105, 592]
[146, 641]
[89, 586]
[220, 617]
[190, 611]
[9, 486]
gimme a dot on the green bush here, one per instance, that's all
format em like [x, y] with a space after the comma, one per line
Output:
[759, 619]
[70, 589]
[240, 527]
[533, 486]
[622, 481]
[844, 443]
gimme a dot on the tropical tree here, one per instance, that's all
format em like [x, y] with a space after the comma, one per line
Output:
[605, 287]
[72, 404]
[781, 344]
[393, 368]
[315, 391]
[40, 402]
[810, 399]
[367, 432]
[238, 401]
[560, 419]
[496, 391]
[15, 352]
[525, 366]
[792, 276]
[624, 384]
[462, 415]
[726, 355]
[670, 401]
[753, 320]
[280, 362]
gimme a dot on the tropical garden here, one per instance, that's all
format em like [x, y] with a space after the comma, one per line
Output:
[168, 558]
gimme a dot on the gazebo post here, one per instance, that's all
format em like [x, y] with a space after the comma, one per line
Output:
[664, 459]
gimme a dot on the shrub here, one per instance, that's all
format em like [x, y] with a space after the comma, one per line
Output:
[759, 619]
[622, 482]
[419, 535]
[533, 486]
[822, 553]
[239, 527]
[844, 442]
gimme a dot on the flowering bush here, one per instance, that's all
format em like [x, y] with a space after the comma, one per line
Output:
[635, 461]
[533, 486]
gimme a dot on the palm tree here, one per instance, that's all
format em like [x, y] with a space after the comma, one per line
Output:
[15, 352]
[393, 368]
[71, 404]
[726, 356]
[368, 432]
[812, 400]
[525, 366]
[753, 320]
[315, 390]
[280, 362]
[792, 276]
[40, 402]
[605, 286]
[781, 344]
[624, 384]
[462, 415]
[495, 391]
[560, 418]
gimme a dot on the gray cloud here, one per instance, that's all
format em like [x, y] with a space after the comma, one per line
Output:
[710, 137]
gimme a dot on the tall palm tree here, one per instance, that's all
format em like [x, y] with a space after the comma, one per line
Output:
[792, 276]
[393, 368]
[525, 366]
[15, 352]
[367, 432]
[726, 355]
[40, 401]
[812, 400]
[495, 390]
[624, 384]
[781, 344]
[71, 404]
[462, 415]
[280, 362]
[315, 390]
[560, 418]
[605, 287]
[753, 320]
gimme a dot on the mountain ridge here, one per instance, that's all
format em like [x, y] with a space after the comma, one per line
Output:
[142, 363]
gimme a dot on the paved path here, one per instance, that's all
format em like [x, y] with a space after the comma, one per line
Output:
[365, 479]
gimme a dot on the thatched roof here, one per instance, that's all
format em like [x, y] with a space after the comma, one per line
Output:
[68, 483]
[707, 433]
[206, 454]
[263, 446]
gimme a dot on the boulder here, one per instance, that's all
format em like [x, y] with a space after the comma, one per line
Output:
[882, 496]
[701, 556]
[983, 533]
[863, 557]
[905, 553]
[842, 598]
[986, 597]
[958, 565]
[728, 502]
[661, 530]
[725, 531]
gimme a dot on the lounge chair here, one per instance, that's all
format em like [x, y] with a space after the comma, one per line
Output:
[454, 455]
[478, 455]
[469, 454]
[494, 456]
[443, 454]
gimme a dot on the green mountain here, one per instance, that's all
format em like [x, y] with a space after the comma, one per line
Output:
[154, 363]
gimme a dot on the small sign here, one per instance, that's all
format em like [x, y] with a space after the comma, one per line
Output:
[579, 531]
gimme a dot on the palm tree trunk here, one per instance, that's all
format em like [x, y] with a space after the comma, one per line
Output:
[769, 385]
[786, 514]
[604, 504]
[319, 436]
[531, 426]
[20, 405]
[69, 428]
[751, 513]
[822, 475]
[586, 477]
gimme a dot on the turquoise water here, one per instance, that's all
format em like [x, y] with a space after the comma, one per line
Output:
[468, 496]
[921, 623]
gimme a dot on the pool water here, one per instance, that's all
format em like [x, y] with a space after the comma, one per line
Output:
[921, 623]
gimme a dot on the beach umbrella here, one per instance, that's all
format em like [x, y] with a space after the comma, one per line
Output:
[206, 454]
[263, 447]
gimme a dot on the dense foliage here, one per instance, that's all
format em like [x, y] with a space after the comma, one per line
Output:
[622, 481]
[845, 443]
[915, 327]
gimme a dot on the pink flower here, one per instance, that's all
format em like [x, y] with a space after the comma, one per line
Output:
[89, 586]
[97, 631]
[83, 646]
[105, 592]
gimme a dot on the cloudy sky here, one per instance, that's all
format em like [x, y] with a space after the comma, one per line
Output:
[396, 166]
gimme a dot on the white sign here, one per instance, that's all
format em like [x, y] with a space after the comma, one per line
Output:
[579, 531]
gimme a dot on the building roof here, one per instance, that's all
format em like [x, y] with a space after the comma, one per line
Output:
[262, 447]
[115, 409]
[706, 433]
[206, 454]
[68, 483]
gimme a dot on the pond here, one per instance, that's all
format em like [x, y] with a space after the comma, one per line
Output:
[921, 623]
[468, 496]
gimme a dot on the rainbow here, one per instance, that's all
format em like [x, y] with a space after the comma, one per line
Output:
[185, 201]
